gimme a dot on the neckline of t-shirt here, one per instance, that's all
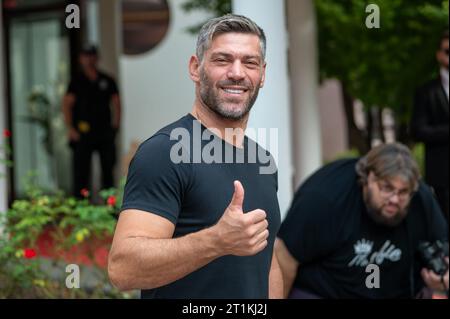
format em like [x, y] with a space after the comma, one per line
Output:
[238, 149]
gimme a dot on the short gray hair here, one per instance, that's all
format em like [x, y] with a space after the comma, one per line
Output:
[388, 161]
[227, 24]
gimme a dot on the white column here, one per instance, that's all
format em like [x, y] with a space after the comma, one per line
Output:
[110, 35]
[304, 85]
[3, 184]
[272, 108]
[92, 22]
[109, 40]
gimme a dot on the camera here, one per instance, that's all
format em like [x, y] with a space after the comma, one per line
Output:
[433, 255]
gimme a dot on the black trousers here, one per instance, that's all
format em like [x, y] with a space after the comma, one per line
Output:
[82, 156]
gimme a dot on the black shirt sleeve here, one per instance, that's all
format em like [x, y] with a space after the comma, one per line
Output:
[307, 230]
[72, 88]
[155, 184]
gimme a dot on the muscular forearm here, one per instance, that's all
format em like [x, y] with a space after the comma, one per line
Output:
[288, 281]
[68, 102]
[67, 117]
[145, 263]
[116, 111]
[288, 266]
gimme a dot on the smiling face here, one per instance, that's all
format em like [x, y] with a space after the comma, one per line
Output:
[230, 75]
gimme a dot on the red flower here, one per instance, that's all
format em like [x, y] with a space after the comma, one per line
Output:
[6, 133]
[111, 201]
[29, 253]
[84, 192]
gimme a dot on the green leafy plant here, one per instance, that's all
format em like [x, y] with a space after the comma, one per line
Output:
[216, 7]
[71, 222]
[41, 112]
[418, 152]
[5, 151]
[380, 66]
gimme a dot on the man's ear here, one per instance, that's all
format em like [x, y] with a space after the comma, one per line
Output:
[263, 78]
[194, 68]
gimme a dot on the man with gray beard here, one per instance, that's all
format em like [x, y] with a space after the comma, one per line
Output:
[201, 229]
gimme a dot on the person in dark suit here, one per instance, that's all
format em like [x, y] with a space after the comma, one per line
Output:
[430, 125]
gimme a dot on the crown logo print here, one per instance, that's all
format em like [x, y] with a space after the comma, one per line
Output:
[363, 246]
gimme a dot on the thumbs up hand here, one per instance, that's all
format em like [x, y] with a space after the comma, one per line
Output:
[241, 234]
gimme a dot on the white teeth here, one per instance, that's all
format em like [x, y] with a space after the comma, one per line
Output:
[233, 91]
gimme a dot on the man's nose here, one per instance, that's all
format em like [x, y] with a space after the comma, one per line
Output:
[236, 71]
[394, 199]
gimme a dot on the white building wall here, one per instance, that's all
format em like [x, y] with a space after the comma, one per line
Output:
[3, 183]
[332, 120]
[156, 88]
[303, 66]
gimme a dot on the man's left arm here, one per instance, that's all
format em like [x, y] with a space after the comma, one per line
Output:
[275, 279]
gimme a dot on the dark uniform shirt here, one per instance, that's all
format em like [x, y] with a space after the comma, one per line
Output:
[91, 114]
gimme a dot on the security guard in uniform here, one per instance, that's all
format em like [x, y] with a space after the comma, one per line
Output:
[91, 110]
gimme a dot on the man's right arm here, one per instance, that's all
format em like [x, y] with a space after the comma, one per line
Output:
[144, 255]
[68, 103]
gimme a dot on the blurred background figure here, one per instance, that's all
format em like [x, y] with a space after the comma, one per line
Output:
[430, 124]
[91, 124]
[353, 213]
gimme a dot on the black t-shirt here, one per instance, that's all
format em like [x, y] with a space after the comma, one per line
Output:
[329, 232]
[91, 114]
[194, 196]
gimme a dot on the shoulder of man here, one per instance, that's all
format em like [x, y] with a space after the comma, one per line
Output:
[164, 139]
[426, 216]
[424, 193]
[331, 184]
[336, 171]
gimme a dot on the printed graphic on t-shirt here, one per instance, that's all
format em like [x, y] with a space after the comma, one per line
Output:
[364, 255]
